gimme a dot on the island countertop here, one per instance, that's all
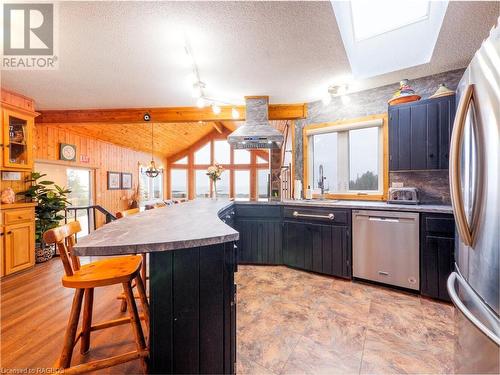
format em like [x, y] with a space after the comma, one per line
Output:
[192, 224]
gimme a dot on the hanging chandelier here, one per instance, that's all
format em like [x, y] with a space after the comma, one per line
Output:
[152, 171]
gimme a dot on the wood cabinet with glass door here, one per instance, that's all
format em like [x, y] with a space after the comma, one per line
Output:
[17, 139]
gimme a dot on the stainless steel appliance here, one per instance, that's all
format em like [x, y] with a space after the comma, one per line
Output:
[403, 195]
[256, 132]
[385, 247]
[474, 287]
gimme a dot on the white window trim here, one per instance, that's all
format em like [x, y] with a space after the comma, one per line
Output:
[343, 156]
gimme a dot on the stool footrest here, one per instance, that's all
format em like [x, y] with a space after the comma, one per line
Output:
[104, 363]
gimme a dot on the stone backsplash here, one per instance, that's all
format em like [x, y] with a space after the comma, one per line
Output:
[433, 185]
[374, 101]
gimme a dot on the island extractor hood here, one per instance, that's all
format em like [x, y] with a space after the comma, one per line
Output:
[256, 132]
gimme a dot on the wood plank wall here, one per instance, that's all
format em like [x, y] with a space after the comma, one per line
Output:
[103, 156]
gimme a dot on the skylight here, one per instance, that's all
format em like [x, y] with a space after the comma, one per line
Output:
[372, 18]
[382, 36]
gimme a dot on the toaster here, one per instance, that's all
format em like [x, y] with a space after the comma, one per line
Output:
[404, 195]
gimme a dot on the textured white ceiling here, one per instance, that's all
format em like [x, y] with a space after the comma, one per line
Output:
[130, 54]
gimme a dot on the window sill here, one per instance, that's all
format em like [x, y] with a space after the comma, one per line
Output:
[356, 197]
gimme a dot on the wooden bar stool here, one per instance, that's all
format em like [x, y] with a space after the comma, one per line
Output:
[112, 271]
[144, 270]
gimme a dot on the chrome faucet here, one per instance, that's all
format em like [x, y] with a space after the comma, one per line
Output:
[321, 180]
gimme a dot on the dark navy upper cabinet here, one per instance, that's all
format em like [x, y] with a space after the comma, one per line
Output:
[419, 134]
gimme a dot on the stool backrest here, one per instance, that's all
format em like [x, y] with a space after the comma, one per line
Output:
[132, 211]
[64, 237]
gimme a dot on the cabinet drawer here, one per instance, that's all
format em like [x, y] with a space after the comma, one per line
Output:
[443, 225]
[258, 210]
[317, 214]
[18, 216]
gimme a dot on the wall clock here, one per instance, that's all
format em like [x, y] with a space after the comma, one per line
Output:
[67, 152]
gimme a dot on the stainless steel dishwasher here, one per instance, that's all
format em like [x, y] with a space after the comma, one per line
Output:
[385, 247]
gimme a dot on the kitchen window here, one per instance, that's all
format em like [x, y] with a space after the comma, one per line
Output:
[350, 156]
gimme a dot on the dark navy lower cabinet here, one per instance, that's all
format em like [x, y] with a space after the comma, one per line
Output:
[318, 244]
[193, 310]
[437, 245]
[260, 241]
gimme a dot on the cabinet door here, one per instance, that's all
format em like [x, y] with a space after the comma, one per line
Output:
[296, 236]
[2, 252]
[260, 241]
[17, 140]
[437, 264]
[418, 144]
[330, 250]
[19, 247]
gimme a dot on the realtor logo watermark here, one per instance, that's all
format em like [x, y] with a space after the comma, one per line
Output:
[29, 36]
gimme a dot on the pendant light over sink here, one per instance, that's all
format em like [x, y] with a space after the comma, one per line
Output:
[152, 171]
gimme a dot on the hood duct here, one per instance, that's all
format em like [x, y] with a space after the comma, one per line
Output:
[256, 132]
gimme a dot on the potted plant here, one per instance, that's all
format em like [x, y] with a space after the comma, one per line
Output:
[51, 200]
[214, 172]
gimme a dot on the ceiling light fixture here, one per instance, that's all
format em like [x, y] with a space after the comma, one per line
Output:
[337, 91]
[216, 109]
[235, 113]
[198, 89]
[152, 171]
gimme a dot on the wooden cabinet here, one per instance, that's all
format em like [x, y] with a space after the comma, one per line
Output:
[17, 139]
[419, 134]
[317, 243]
[437, 245]
[17, 238]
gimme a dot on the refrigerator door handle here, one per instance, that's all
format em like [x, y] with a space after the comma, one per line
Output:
[463, 227]
[464, 310]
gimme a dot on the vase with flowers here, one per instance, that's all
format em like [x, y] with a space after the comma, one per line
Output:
[214, 172]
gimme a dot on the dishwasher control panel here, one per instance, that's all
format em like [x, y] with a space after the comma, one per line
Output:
[385, 247]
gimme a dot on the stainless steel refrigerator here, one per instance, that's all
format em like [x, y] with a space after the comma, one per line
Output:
[474, 287]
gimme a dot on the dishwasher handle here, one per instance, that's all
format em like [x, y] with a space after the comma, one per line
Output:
[385, 219]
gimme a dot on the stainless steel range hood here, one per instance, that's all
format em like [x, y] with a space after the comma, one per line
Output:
[256, 132]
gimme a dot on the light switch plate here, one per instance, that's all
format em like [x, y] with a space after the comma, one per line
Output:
[11, 176]
[397, 185]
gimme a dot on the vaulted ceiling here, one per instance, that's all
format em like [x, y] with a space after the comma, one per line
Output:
[169, 138]
[118, 54]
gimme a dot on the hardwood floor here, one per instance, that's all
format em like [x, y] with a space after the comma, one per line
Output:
[34, 311]
[289, 322]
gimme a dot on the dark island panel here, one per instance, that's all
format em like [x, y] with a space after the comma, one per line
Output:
[192, 297]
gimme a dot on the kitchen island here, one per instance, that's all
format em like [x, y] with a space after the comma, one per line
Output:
[191, 274]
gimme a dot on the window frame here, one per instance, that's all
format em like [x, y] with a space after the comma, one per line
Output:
[253, 166]
[346, 125]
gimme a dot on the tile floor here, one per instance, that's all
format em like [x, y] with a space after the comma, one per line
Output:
[294, 322]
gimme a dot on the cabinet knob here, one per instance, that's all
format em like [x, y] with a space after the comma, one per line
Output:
[1, 234]
[9, 232]
[431, 155]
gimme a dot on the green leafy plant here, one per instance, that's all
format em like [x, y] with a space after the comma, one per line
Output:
[51, 200]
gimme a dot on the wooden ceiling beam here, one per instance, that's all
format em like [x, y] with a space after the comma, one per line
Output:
[165, 115]
[219, 126]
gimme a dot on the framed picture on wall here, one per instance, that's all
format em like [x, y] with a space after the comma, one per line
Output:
[114, 180]
[126, 181]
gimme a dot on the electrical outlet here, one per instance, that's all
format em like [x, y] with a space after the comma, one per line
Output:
[397, 185]
[11, 176]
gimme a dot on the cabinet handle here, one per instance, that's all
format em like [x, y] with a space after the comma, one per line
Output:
[431, 155]
[9, 232]
[329, 216]
[1, 234]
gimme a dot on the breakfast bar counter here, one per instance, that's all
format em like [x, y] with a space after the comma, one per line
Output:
[191, 282]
